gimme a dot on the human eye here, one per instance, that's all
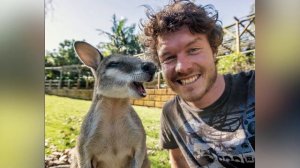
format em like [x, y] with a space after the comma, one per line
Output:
[168, 59]
[193, 51]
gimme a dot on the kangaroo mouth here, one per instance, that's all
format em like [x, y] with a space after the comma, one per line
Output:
[139, 88]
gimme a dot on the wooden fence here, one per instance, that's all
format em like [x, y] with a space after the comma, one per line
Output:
[75, 84]
[239, 37]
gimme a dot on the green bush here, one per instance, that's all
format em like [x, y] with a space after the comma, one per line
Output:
[235, 63]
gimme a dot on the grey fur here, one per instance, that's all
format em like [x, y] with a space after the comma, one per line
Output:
[112, 134]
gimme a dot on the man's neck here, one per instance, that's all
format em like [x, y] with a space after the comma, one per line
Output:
[213, 94]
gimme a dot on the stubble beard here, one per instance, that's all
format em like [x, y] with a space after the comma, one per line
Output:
[203, 91]
[199, 93]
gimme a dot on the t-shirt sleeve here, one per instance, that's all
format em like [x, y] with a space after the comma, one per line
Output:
[252, 83]
[167, 140]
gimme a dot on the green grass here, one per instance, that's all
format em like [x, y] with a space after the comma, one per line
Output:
[64, 116]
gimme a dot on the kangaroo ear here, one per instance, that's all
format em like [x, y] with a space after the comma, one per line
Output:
[88, 54]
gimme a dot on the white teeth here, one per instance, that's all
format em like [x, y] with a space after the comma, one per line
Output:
[189, 80]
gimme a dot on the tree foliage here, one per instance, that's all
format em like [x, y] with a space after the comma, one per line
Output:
[235, 63]
[122, 38]
[64, 56]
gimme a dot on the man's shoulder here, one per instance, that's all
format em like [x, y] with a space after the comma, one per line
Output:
[250, 75]
[244, 83]
[242, 78]
[170, 104]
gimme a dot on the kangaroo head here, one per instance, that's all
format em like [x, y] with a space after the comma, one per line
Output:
[117, 76]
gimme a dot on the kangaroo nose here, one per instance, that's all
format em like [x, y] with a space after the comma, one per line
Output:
[149, 67]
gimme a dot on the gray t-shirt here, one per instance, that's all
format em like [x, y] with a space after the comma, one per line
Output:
[221, 135]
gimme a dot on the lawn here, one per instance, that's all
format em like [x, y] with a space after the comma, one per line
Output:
[63, 117]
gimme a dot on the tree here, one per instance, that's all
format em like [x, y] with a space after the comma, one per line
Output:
[50, 59]
[64, 56]
[122, 38]
[67, 51]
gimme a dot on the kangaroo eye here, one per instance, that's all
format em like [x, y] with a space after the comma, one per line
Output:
[113, 64]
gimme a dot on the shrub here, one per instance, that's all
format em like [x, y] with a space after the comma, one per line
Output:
[235, 63]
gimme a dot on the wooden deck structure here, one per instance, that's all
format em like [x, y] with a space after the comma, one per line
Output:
[239, 37]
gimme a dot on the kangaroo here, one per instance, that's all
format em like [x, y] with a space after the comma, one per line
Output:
[112, 134]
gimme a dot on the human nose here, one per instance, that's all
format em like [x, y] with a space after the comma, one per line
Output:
[183, 64]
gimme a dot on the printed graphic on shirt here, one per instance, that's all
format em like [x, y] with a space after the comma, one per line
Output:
[214, 148]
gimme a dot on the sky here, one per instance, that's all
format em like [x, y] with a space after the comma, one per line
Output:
[79, 19]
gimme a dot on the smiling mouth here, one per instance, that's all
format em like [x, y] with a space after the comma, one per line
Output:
[139, 88]
[189, 80]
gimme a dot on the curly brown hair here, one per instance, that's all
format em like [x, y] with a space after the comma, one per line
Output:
[199, 19]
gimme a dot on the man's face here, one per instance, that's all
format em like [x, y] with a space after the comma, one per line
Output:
[187, 63]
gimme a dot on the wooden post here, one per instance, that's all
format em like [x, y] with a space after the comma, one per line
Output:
[251, 20]
[69, 82]
[237, 35]
[60, 79]
[78, 80]
[50, 83]
[78, 83]
[87, 83]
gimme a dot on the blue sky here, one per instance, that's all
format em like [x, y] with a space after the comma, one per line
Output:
[79, 19]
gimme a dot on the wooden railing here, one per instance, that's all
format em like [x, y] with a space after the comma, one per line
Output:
[52, 84]
[239, 37]
[78, 84]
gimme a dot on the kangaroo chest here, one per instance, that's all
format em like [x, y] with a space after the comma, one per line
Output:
[116, 139]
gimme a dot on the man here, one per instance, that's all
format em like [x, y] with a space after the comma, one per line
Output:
[210, 123]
